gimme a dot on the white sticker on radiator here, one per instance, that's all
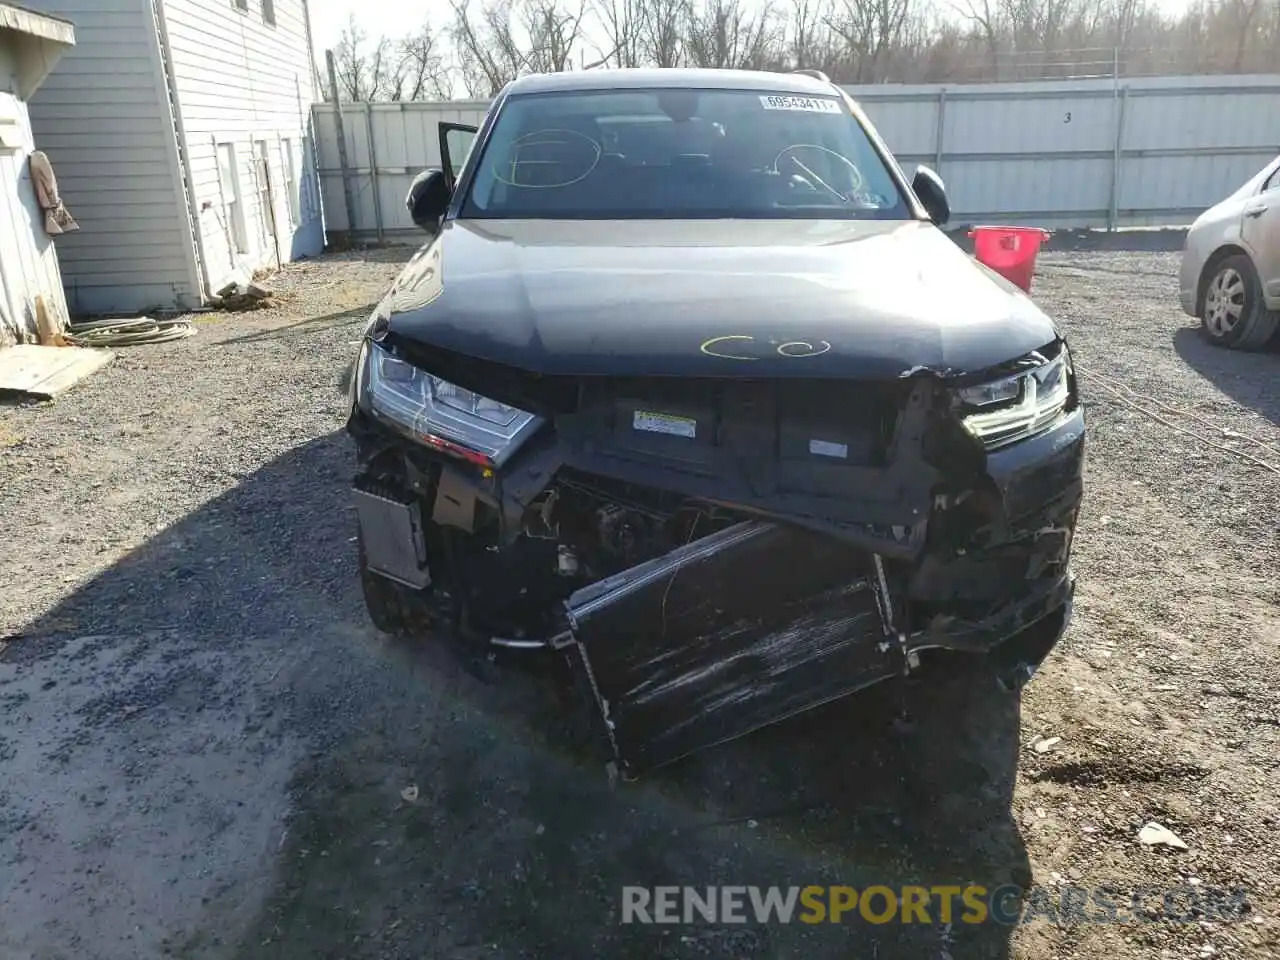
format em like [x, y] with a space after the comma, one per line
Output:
[664, 423]
[825, 448]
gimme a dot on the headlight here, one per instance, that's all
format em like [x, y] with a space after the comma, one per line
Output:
[443, 415]
[1019, 406]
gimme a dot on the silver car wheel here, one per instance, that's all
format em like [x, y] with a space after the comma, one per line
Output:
[1224, 301]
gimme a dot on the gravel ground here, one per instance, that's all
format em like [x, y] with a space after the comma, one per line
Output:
[207, 751]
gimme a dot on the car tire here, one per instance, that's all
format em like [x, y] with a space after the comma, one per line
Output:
[394, 608]
[1232, 313]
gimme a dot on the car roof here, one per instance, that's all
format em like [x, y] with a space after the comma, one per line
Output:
[679, 78]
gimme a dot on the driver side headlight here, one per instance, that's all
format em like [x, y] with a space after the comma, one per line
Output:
[441, 414]
[1013, 408]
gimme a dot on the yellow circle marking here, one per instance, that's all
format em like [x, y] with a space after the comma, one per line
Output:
[709, 347]
[517, 144]
[792, 349]
[803, 348]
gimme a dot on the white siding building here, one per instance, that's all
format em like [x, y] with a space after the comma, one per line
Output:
[29, 48]
[180, 134]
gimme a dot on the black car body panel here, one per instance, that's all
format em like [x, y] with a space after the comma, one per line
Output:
[753, 480]
[712, 298]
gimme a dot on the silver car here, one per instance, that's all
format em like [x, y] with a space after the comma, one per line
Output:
[1230, 275]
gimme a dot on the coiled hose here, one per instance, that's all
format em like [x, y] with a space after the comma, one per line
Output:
[127, 333]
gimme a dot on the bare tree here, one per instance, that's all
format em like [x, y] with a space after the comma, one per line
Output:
[620, 22]
[810, 40]
[871, 30]
[722, 33]
[364, 74]
[661, 32]
[490, 42]
[489, 55]
[988, 23]
[1122, 18]
[424, 68]
[1241, 19]
[1035, 31]
[553, 30]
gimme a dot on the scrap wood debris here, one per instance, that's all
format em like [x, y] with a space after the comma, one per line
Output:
[246, 296]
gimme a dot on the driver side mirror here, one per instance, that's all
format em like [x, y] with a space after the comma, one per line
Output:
[932, 193]
[428, 199]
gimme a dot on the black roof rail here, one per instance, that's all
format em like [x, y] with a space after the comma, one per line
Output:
[816, 74]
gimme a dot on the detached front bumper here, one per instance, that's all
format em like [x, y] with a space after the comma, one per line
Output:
[765, 619]
[759, 624]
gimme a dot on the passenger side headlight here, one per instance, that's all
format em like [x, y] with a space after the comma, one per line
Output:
[1013, 408]
[443, 415]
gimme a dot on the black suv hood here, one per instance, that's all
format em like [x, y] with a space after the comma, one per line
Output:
[735, 298]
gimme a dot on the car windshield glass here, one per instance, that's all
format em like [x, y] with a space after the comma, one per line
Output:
[680, 153]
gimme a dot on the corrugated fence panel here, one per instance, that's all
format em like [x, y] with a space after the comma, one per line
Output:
[404, 143]
[1186, 184]
[1187, 150]
[911, 126]
[1009, 126]
[1203, 119]
[326, 126]
[1029, 189]
[1091, 153]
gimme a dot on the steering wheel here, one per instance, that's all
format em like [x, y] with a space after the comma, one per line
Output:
[794, 156]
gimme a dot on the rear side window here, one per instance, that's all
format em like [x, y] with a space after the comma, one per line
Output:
[1273, 181]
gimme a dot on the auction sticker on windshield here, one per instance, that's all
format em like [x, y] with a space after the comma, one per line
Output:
[808, 104]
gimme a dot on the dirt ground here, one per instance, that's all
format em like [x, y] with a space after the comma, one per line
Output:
[206, 750]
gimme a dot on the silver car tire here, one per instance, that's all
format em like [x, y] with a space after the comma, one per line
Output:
[1232, 313]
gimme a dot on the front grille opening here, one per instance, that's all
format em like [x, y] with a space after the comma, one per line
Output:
[842, 424]
[824, 423]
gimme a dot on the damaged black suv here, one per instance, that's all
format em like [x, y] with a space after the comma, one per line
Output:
[689, 387]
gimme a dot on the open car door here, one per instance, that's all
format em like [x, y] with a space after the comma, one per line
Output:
[455, 145]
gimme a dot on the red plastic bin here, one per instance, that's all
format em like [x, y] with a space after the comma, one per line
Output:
[1009, 251]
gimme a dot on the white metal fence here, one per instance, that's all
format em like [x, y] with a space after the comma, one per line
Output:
[1093, 153]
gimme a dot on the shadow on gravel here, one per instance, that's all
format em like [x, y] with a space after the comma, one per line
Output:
[391, 251]
[303, 326]
[510, 844]
[1250, 379]
[269, 553]
[515, 847]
